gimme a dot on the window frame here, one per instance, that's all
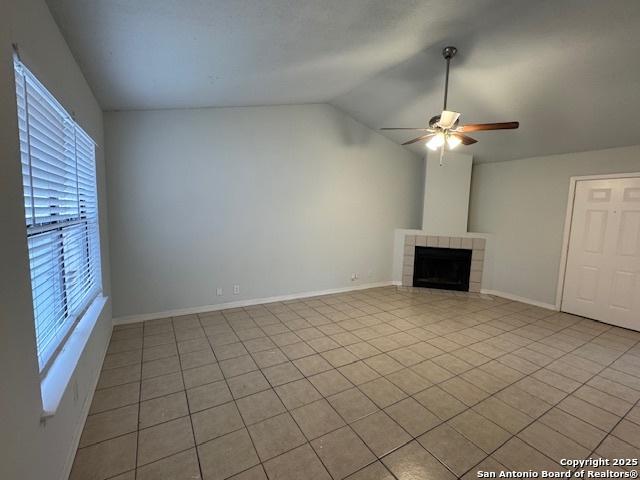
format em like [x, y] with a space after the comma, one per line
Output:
[76, 249]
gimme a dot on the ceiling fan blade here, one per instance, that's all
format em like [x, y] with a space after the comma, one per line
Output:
[466, 140]
[404, 128]
[423, 137]
[448, 119]
[477, 127]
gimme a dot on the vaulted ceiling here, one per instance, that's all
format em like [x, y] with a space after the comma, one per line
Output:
[568, 70]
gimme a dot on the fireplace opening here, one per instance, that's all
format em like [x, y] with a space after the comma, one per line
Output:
[445, 268]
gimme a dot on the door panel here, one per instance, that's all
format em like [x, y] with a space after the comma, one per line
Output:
[602, 277]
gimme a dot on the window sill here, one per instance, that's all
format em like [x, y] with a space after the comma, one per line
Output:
[55, 382]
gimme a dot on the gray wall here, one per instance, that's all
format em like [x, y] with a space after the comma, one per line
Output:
[523, 203]
[29, 449]
[279, 200]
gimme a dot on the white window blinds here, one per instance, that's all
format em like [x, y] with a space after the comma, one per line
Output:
[59, 181]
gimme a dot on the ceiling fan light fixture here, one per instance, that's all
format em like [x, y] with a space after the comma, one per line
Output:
[436, 141]
[453, 141]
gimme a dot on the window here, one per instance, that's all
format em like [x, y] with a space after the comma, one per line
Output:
[61, 214]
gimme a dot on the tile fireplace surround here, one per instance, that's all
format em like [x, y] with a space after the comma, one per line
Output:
[476, 245]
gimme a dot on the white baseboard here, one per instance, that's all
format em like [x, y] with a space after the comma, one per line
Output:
[517, 298]
[243, 303]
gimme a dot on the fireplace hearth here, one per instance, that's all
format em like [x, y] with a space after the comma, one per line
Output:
[444, 268]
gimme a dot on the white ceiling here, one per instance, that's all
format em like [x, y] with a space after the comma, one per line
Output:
[568, 70]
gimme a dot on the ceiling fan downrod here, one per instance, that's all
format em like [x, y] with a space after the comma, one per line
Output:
[448, 53]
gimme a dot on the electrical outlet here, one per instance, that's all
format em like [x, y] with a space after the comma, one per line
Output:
[236, 289]
[218, 292]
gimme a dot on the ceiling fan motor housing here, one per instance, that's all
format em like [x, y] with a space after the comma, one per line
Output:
[449, 52]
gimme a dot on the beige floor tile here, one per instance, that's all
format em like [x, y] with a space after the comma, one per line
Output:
[352, 404]
[194, 377]
[247, 384]
[269, 358]
[297, 350]
[299, 463]
[339, 357]
[517, 455]
[523, 401]
[105, 459]
[163, 440]
[384, 364]
[281, 374]
[612, 404]
[163, 366]
[382, 392]
[413, 462]
[232, 350]
[259, 345]
[614, 448]
[506, 416]
[131, 475]
[317, 418]
[162, 409]
[275, 436]
[312, 365]
[181, 465]
[464, 391]
[363, 350]
[114, 397]
[489, 464]
[482, 432]
[375, 471]
[237, 366]
[379, 340]
[539, 389]
[614, 388]
[207, 396]
[408, 381]
[254, 473]
[342, 452]
[161, 386]
[432, 372]
[298, 393]
[197, 359]
[119, 376]
[412, 416]
[380, 433]
[227, 455]
[358, 373]
[579, 431]
[629, 432]
[330, 382]
[440, 402]
[122, 359]
[260, 406]
[109, 424]
[553, 444]
[589, 413]
[193, 345]
[452, 449]
[556, 380]
[215, 422]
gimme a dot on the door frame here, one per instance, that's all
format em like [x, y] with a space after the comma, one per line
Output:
[566, 237]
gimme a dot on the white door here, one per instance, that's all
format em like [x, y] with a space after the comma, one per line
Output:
[602, 278]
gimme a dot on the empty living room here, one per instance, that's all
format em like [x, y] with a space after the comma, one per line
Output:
[319, 239]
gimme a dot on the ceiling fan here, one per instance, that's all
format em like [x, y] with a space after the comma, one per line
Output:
[445, 128]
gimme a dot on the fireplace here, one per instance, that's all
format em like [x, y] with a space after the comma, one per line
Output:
[445, 268]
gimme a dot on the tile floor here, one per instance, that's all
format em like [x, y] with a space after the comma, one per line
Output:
[387, 383]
